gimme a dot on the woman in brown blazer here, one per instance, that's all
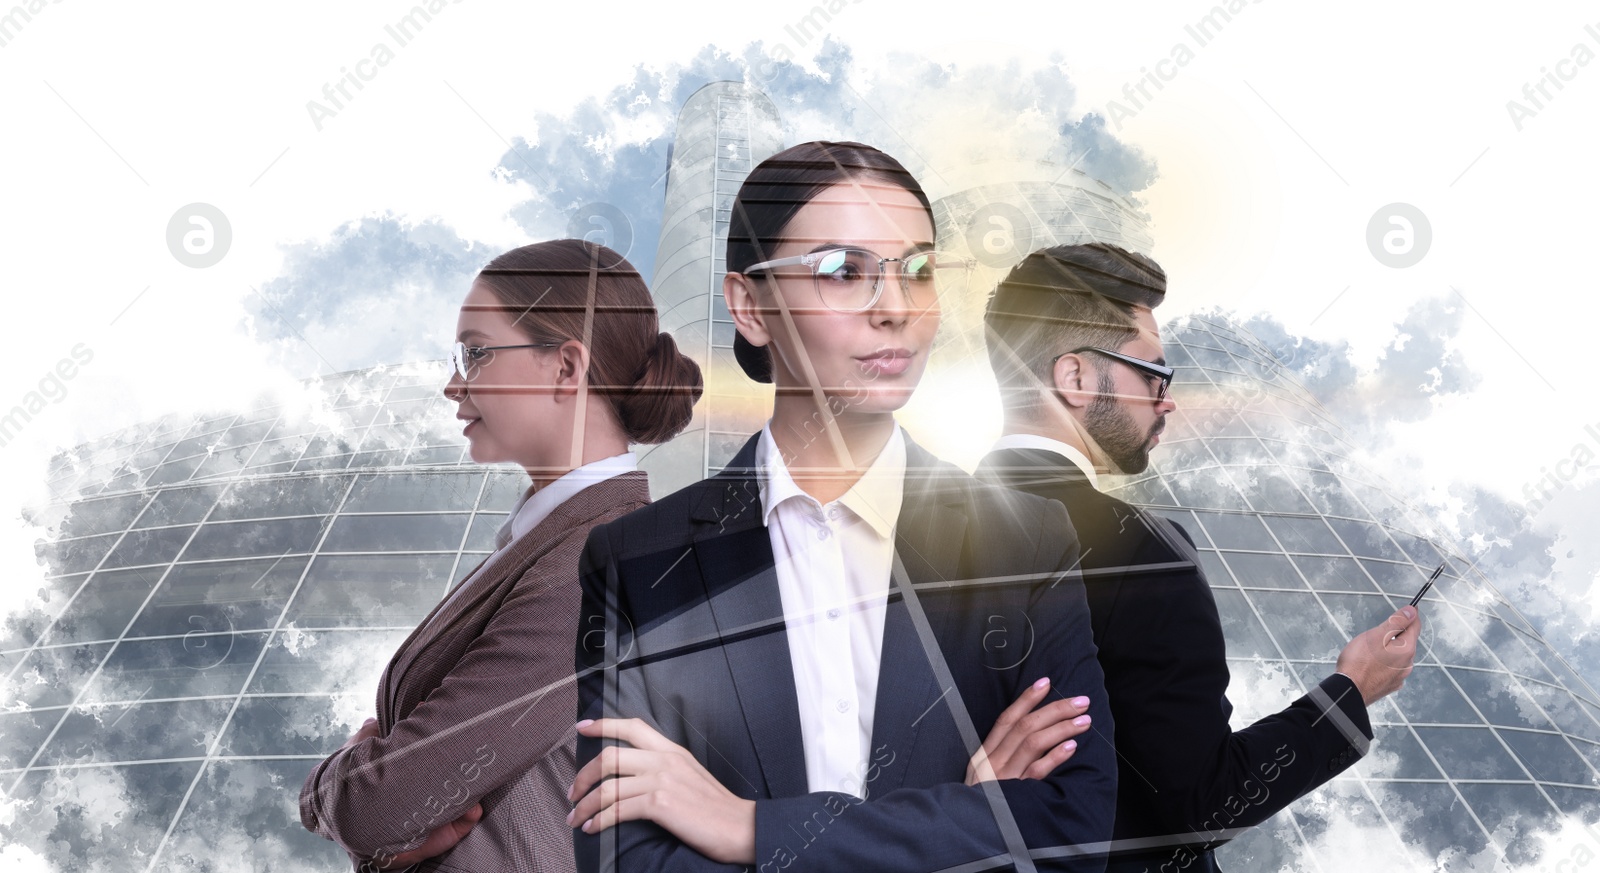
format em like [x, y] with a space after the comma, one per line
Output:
[559, 366]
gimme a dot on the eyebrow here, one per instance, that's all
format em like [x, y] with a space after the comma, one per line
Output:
[910, 249]
[469, 333]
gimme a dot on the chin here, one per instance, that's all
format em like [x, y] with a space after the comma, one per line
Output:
[881, 399]
[1133, 465]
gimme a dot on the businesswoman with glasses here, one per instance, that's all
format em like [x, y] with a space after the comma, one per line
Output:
[797, 655]
[558, 366]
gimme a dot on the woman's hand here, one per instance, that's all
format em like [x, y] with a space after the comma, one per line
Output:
[368, 730]
[1028, 743]
[658, 780]
[443, 839]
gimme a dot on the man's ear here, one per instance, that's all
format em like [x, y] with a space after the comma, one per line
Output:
[572, 367]
[1072, 381]
[739, 293]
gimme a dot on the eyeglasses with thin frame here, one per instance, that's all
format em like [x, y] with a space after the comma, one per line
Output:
[465, 359]
[851, 280]
[1149, 369]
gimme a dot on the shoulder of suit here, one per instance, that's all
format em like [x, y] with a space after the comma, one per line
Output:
[670, 518]
[603, 501]
[1161, 536]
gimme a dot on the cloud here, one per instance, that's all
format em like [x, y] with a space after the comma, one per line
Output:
[599, 171]
[380, 289]
[1537, 554]
[1418, 367]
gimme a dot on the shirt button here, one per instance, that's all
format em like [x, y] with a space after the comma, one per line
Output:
[843, 705]
[823, 533]
[833, 512]
[833, 614]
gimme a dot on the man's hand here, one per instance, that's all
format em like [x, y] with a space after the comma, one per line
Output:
[1379, 659]
[660, 781]
[443, 839]
[1028, 743]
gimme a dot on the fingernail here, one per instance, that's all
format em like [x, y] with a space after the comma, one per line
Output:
[1044, 682]
[586, 825]
[569, 817]
[1081, 720]
[1408, 611]
[585, 723]
[1080, 702]
[1069, 745]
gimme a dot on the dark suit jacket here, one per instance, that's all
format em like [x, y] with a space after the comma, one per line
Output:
[1187, 780]
[476, 707]
[682, 625]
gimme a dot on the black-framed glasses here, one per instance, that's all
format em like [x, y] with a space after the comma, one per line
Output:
[465, 359]
[1149, 369]
[851, 280]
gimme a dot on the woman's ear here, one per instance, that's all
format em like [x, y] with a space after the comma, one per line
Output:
[1069, 377]
[739, 293]
[572, 367]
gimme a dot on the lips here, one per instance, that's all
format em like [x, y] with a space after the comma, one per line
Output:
[888, 362]
[469, 423]
[1155, 432]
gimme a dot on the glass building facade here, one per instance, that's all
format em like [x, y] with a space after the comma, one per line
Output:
[218, 594]
[724, 129]
[216, 604]
[1493, 740]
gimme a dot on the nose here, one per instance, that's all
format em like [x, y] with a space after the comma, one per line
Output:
[894, 303]
[1167, 404]
[455, 388]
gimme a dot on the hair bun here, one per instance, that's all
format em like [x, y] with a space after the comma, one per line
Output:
[661, 401]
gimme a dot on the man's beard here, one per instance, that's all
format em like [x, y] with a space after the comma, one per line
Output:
[1114, 431]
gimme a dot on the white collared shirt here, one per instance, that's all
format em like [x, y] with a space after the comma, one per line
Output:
[535, 506]
[1043, 443]
[833, 565]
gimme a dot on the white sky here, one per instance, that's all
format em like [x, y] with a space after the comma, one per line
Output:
[1276, 144]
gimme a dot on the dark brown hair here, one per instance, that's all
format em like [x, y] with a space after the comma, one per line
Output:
[781, 186]
[569, 289]
[1061, 298]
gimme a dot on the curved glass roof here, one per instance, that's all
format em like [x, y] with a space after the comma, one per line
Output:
[220, 593]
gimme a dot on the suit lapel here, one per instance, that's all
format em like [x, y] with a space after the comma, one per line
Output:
[503, 567]
[929, 536]
[733, 554]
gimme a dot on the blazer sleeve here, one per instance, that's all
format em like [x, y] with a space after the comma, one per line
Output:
[910, 830]
[1201, 776]
[506, 704]
[605, 639]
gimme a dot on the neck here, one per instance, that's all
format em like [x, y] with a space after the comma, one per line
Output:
[1070, 432]
[827, 453]
[601, 438]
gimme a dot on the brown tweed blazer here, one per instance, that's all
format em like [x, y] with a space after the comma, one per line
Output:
[477, 706]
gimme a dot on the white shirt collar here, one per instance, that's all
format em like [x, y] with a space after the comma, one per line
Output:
[1034, 441]
[535, 506]
[875, 498]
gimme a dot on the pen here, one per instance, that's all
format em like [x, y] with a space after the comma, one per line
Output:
[1426, 585]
